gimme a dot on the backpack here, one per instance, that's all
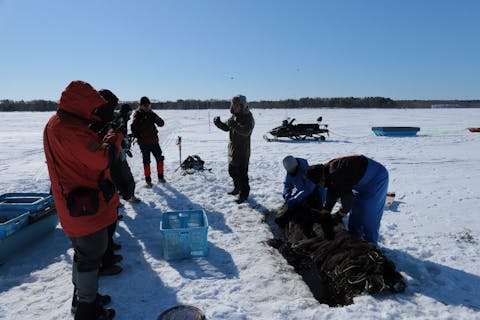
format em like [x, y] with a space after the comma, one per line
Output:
[192, 164]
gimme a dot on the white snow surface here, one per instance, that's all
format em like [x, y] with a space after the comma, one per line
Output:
[431, 231]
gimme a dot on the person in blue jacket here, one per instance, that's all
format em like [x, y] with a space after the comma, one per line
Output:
[361, 184]
[303, 199]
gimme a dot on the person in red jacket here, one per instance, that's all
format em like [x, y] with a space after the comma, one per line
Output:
[85, 198]
[144, 129]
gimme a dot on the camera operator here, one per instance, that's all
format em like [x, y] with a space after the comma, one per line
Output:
[85, 197]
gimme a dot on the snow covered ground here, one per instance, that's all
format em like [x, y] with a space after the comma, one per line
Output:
[431, 231]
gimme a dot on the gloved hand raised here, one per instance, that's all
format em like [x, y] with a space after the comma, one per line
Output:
[216, 120]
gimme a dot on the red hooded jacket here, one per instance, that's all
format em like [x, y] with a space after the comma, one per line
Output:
[76, 157]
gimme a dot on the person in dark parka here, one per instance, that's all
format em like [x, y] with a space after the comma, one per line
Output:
[144, 129]
[240, 126]
[361, 184]
[124, 172]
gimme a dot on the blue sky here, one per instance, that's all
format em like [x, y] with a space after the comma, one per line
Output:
[265, 49]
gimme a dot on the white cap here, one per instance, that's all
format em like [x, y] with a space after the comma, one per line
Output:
[290, 163]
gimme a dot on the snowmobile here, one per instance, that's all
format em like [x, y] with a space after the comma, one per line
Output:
[301, 131]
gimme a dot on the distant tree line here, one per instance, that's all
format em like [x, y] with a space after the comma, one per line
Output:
[34, 105]
[341, 102]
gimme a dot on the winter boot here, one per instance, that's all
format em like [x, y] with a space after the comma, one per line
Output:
[111, 258]
[93, 311]
[134, 199]
[148, 180]
[102, 300]
[109, 270]
[234, 192]
[243, 195]
[241, 198]
[116, 258]
[148, 173]
[161, 179]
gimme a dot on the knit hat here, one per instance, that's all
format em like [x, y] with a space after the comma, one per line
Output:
[290, 163]
[144, 101]
[105, 112]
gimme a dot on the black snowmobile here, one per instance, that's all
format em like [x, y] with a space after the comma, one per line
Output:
[301, 131]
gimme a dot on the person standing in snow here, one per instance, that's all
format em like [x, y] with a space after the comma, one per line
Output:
[124, 172]
[85, 197]
[120, 180]
[144, 129]
[303, 199]
[361, 184]
[240, 126]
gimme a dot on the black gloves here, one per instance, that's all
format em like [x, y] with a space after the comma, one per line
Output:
[231, 123]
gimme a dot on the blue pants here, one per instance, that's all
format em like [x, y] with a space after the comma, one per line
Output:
[367, 209]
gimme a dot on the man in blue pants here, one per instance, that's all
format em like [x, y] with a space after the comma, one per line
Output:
[361, 184]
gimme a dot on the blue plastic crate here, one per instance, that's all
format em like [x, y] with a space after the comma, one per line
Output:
[28, 235]
[12, 220]
[27, 201]
[184, 234]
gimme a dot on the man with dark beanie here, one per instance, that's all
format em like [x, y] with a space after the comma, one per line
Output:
[145, 130]
[240, 126]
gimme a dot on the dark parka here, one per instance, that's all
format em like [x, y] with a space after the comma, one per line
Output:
[240, 127]
[143, 126]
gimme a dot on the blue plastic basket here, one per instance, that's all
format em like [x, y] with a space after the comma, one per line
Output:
[12, 220]
[184, 234]
[27, 236]
[26, 201]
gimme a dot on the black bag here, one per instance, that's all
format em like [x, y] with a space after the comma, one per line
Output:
[122, 178]
[193, 163]
[83, 201]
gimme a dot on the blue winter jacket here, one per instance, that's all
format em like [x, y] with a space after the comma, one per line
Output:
[298, 187]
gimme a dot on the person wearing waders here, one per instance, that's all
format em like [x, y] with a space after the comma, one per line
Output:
[361, 185]
[85, 197]
[240, 126]
[144, 129]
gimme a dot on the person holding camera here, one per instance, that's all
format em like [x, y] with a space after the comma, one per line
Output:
[144, 129]
[240, 126]
[78, 161]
